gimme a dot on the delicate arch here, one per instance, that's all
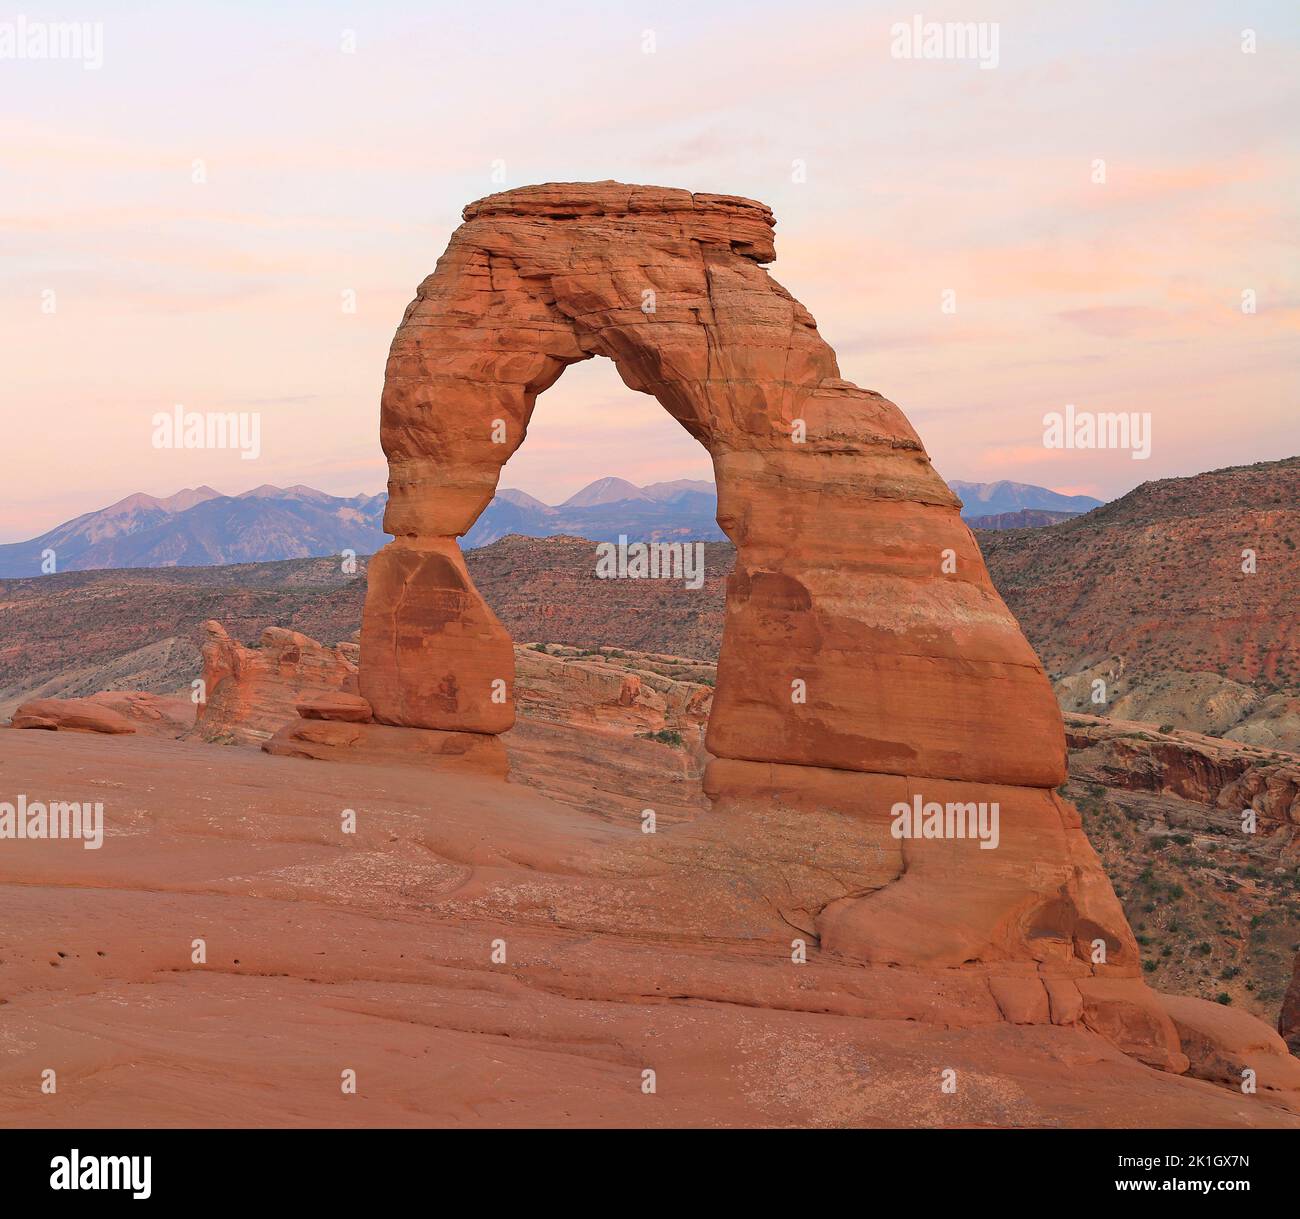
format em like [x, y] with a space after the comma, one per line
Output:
[849, 642]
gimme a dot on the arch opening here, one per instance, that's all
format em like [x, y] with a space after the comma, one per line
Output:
[588, 426]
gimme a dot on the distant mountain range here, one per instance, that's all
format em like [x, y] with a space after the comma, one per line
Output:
[996, 499]
[201, 527]
[602, 511]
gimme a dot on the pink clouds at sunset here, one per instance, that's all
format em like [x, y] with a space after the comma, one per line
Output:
[326, 172]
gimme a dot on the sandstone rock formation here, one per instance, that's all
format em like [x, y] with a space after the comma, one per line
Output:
[304, 707]
[862, 630]
[250, 693]
[611, 691]
[338, 725]
[867, 662]
[1223, 1044]
[165, 715]
[73, 714]
[1223, 775]
[612, 688]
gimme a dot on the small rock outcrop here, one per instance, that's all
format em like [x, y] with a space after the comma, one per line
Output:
[250, 693]
[1222, 774]
[629, 691]
[71, 714]
[1227, 1046]
[164, 715]
[353, 741]
[335, 705]
[628, 695]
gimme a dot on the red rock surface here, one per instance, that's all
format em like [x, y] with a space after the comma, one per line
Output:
[1223, 1043]
[335, 705]
[623, 952]
[155, 714]
[252, 692]
[71, 714]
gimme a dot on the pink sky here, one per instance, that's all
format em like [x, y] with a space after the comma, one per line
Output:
[330, 171]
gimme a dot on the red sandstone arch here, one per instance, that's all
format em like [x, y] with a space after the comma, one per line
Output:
[841, 534]
[919, 684]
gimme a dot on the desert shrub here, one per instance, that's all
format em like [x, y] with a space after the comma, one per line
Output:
[665, 736]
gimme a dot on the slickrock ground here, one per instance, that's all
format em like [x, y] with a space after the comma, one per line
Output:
[374, 948]
[372, 952]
